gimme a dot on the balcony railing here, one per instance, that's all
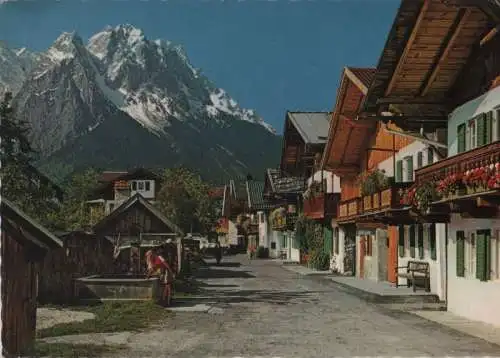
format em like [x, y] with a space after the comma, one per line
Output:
[321, 205]
[386, 199]
[460, 163]
[349, 209]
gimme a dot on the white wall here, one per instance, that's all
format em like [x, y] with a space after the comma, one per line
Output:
[148, 194]
[332, 181]
[482, 104]
[467, 296]
[339, 258]
[410, 150]
[437, 267]
[263, 236]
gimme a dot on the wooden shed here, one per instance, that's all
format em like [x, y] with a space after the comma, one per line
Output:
[135, 227]
[83, 254]
[24, 244]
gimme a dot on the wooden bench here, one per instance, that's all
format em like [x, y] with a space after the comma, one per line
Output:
[415, 271]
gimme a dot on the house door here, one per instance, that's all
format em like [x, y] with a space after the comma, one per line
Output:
[392, 253]
[362, 253]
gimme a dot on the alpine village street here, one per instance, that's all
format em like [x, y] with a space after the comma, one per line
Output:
[375, 232]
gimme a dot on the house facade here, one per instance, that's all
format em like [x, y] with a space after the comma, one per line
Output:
[446, 93]
[117, 187]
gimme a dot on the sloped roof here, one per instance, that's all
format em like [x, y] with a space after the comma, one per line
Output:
[255, 191]
[238, 189]
[282, 184]
[312, 126]
[138, 199]
[363, 75]
[31, 230]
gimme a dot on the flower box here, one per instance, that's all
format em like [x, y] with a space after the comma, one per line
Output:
[376, 201]
[367, 203]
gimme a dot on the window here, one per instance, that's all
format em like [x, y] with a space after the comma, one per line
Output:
[483, 252]
[401, 243]
[420, 160]
[471, 138]
[140, 186]
[147, 185]
[420, 241]
[432, 241]
[261, 217]
[111, 207]
[430, 156]
[399, 171]
[461, 135]
[495, 256]
[460, 253]
[470, 256]
[412, 241]
[284, 241]
[134, 185]
[409, 168]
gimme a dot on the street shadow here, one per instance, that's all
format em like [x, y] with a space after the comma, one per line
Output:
[224, 264]
[215, 297]
[221, 273]
[206, 285]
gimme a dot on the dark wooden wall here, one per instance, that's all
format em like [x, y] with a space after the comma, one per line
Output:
[18, 297]
[82, 255]
[479, 74]
[134, 221]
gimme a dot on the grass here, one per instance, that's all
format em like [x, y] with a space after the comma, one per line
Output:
[66, 350]
[110, 317]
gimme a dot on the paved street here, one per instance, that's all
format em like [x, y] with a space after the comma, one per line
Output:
[264, 310]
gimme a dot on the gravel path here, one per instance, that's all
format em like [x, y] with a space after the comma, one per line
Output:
[260, 309]
[48, 317]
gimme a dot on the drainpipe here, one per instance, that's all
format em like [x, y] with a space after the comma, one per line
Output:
[446, 263]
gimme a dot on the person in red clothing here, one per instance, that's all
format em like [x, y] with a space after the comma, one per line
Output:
[157, 265]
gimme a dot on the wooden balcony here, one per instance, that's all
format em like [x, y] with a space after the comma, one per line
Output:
[384, 200]
[349, 209]
[460, 163]
[321, 205]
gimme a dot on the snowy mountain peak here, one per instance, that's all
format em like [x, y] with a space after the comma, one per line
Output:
[65, 47]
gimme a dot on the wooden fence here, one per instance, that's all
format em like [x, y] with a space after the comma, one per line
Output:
[83, 254]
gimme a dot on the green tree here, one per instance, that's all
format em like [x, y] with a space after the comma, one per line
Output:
[184, 198]
[21, 182]
[74, 213]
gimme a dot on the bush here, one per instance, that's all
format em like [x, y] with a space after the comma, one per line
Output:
[262, 252]
[319, 260]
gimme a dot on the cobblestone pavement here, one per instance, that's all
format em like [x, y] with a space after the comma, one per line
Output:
[260, 309]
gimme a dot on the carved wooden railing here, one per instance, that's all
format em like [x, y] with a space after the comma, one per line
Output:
[386, 199]
[460, 163]
[349, 208]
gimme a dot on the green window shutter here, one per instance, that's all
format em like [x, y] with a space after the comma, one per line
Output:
[483, 255]
[480, 130]
[432, 241]
[488, 128]
[430, 156]
[399, 171]
[420, 160]
[420, 240]
[412, 241]
[401, 244]
[460, 254]
[461, 138]
[409, 169]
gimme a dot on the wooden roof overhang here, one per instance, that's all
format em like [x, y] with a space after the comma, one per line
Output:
[348, 133]
[428, 46]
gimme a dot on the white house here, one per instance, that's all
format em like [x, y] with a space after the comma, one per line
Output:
[474, 244]
[419, 242]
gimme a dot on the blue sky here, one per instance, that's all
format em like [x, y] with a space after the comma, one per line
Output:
[271, 56]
